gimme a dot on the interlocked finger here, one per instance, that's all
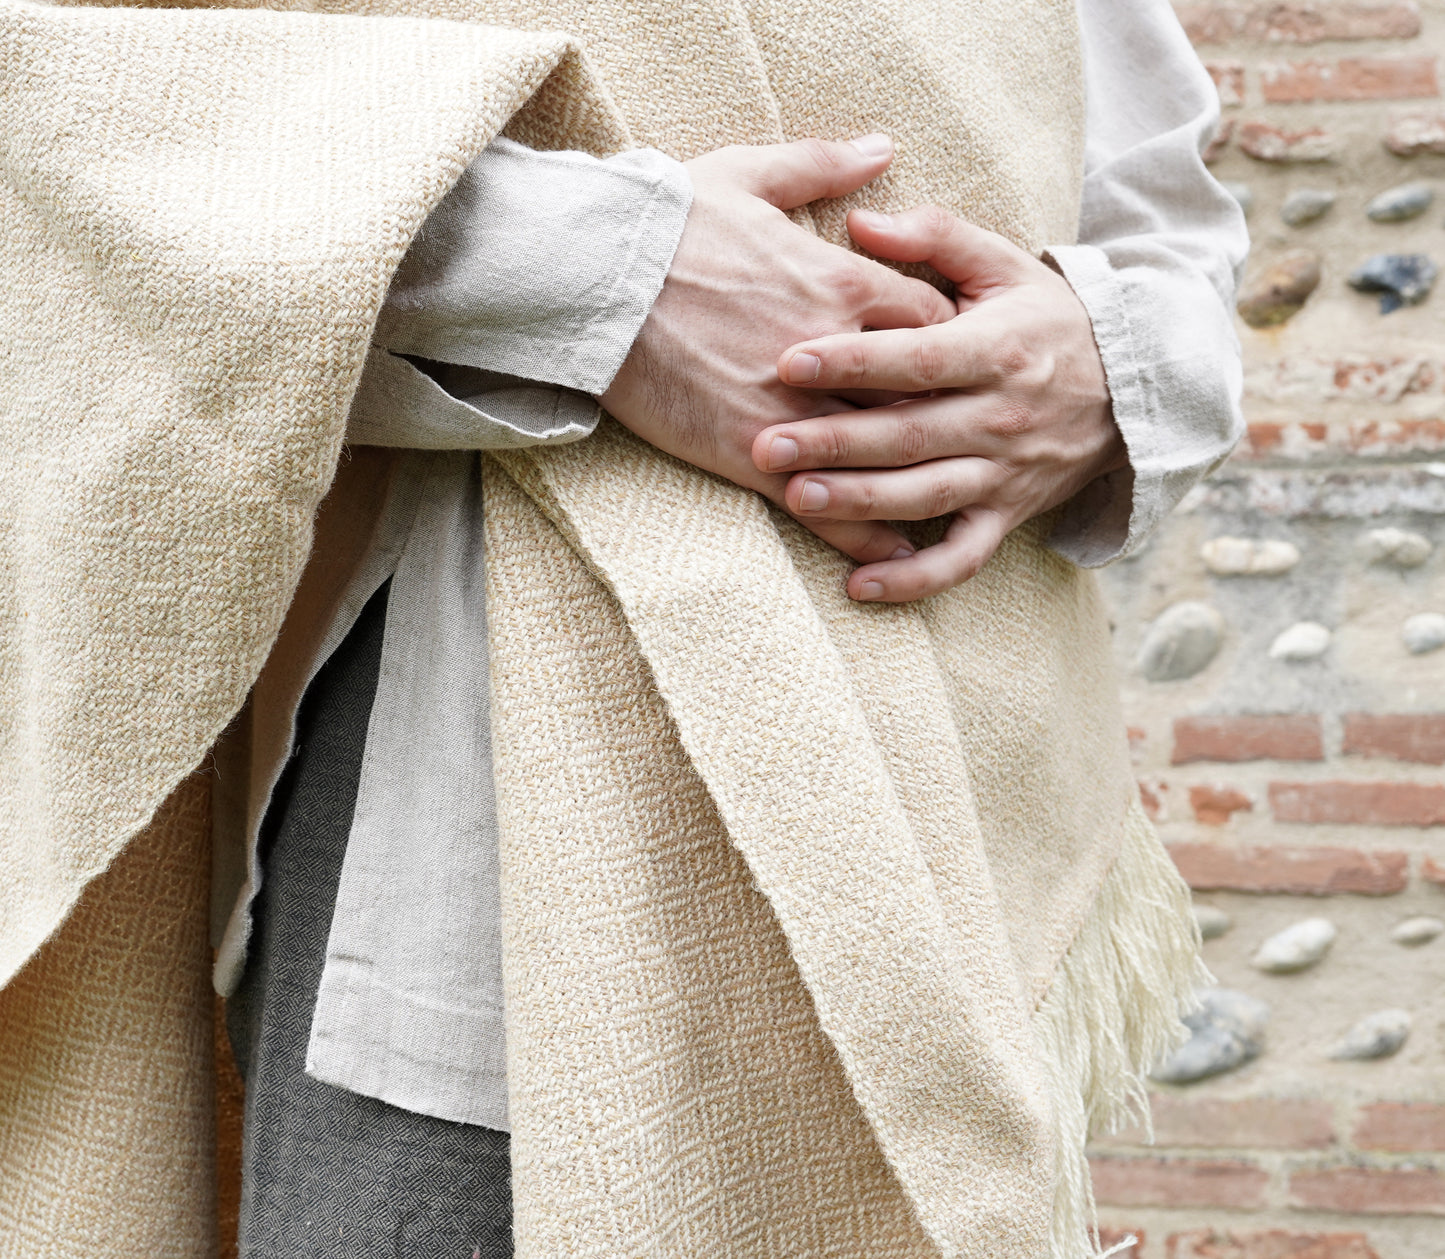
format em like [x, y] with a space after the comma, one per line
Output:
[887, 436]
[900, 301]
[864, 541]
[909, 360]
[918, 492]
[969, 543]
[800, 171]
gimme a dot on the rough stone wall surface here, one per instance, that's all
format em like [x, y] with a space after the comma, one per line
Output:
[1289, 727]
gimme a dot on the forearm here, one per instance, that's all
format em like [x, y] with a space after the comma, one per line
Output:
[522, 295]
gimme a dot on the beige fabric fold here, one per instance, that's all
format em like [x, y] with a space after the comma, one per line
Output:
[836, 743]
[831, 929]
[203, 210]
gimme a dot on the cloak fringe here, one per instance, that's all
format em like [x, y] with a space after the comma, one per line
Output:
[1112, 1012]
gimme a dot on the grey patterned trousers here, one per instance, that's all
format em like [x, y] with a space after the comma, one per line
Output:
[327, 1173]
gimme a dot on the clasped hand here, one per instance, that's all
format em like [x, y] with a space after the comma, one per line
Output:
[853, 396]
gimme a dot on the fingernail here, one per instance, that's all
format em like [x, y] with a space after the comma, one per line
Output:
[902, 553]
[874, 145]
[871, 590]
[870, 218]
[782, 453]
[803, 369]
[814, 496]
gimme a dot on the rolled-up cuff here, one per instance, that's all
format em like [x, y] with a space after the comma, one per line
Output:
[1112, 514]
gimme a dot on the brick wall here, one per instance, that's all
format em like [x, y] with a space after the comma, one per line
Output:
[1309, 782]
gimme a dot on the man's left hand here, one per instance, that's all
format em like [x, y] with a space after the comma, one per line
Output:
[1010, 415]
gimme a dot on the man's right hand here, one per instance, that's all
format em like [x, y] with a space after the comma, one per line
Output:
[746, 282]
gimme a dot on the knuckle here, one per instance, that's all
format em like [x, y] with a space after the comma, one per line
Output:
[849, 282]
[850, 364]
[910, 439]
[1011, 419]
[823, 155]
[832, 445]
[929, 362]
[938, 495]
[880, 541]
[865, 498]
[935, 220]
[1012, 356]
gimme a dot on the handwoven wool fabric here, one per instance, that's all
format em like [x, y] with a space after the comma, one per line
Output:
[830, 929]
[106, 1091]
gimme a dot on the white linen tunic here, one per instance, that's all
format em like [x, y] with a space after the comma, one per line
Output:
[532, 280]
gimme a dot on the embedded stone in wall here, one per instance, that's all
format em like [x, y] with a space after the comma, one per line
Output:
[1425, 631]
[1240, 191]
[1212, 922]
[1265, 143]
[1183, 639]
[1296, 948]
[1413, 932]
[1400, 279]
[1376, 1035]
[1305, 640]
[1397, 547]
[1398, 204]
[1415, 134]
[1305, 205]
[1246, 557]
[1225, 1032]
[1278, 292]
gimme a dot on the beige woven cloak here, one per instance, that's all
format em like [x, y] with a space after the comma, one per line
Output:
[830, 929]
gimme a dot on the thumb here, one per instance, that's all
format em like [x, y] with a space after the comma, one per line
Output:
[790, 175]
[975, 259]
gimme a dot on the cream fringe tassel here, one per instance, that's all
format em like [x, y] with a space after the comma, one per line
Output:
[1112, 1012]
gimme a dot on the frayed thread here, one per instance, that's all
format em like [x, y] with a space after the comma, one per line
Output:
[1112, 1012]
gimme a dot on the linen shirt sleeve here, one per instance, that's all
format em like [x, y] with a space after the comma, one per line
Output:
[1161, 245]
[520, 297]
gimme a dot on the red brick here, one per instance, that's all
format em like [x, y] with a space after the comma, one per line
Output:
[1300, 22]
[1264, 438]
[1273, 1243]
[1218, 142]
[1265, 143]
[1108, 1237]
[1284, 738]
[1153, 795]
[1295, 871]
[1415, 134]
[1401, 736]
[1214, 803]
[1268, 439]
[1370, 1190]
[1349, 79]
[1359, 803]
[1299, 381]
[1401, 1126]
[1228, 79]
[1393, 437]
[1432, 871]
[1274, 1123]
[1167, 1182]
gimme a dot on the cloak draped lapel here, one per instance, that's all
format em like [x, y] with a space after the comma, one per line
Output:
[913, 979]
